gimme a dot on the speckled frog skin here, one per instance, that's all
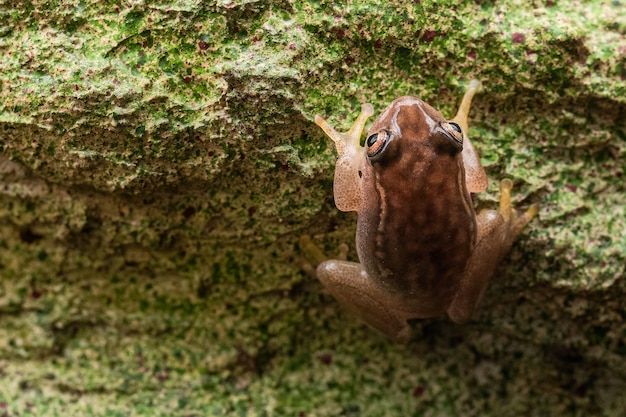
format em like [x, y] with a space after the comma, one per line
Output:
[423, 251]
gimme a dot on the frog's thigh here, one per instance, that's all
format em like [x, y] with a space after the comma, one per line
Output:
[497, 230]
[481, 265]
[353, 288]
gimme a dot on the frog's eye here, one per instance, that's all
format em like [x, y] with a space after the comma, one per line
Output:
[377, 143]
[453, 130]
[456, 127]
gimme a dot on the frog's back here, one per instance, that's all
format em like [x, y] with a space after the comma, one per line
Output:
[418, 229]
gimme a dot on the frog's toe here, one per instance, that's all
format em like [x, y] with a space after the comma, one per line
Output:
[533, 210]
[520, 222]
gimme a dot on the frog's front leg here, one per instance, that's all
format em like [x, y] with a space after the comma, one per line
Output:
[497, 230]
[357, 292]
[347, 189]
[475, 175]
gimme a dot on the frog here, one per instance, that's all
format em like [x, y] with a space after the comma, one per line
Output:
[423, 251]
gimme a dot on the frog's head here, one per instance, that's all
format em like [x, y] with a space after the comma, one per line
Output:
[409, 131]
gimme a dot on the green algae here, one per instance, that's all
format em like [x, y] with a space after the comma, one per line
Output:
[158, 164]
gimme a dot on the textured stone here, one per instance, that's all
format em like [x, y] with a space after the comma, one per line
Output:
[159, 162]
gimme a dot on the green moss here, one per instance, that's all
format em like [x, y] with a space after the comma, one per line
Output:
[158, 164]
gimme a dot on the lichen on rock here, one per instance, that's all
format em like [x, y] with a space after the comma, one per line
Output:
[159, 162]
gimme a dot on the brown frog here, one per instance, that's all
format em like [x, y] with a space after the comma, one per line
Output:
[423, 251]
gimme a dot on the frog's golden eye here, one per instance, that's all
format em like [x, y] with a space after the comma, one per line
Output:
[377, 143]
[453, 130]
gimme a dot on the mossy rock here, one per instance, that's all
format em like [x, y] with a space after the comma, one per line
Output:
[159, 163]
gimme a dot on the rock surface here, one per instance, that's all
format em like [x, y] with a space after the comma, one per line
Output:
[158, 164]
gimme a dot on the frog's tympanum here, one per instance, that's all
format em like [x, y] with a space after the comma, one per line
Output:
[423, 251]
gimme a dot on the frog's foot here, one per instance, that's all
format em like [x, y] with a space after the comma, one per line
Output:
[313, 255]
[347, 142]
[515, 222]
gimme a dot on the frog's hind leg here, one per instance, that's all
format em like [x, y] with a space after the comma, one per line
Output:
[353, 288]
[497, 230]
[515, 222]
